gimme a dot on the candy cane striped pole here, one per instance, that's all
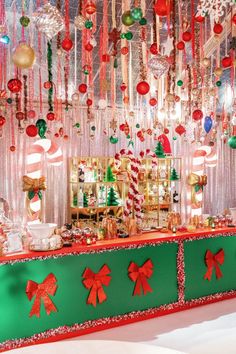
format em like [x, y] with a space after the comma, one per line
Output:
[203, 156]
[135, 199]
[34, 168]
[149, 153]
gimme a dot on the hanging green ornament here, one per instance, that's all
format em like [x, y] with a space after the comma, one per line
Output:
[42, 128]
[127, 19]
[24, 21]
[131, 143]
[115, 63]
[174, 137]
[218, 83]
[93, 128]
[129, 36]
[136, 14]
[128, 136]
[122, 35]
[143, 21]
[113, 139]
[232, 142]
[88, 24]
[77, 125]
[180, 83]
[137, 125]
[9, 100]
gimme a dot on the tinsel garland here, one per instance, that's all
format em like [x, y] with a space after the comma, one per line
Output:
[180, 272]
[25, 97]
[50, 78]
[101, 323]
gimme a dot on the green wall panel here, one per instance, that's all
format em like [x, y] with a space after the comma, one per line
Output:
[71, 295]
[194, 255]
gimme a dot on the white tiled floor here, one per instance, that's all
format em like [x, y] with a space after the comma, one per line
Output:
[209, 329]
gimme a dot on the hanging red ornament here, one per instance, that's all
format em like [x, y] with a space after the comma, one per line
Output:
[89, 102]
[31, 114]
[67, 44]
[90, 8]
[50, 116]
[12, 148]
[122, 127]
[124, 50]
[31, 131]
[153, 48]
[180, 129]
[126, 100]
[234, 19]
[226, 62]
[186, 36]
[161, 8]
[140, 135]
[47, 85]
[153, 101]
[88, 47]
[2, 121]
[14, 85]
[199, 19]
[65, 137]
[56, 135]
[20, 115]
[166, 131]
[123, 87]
[105, 58]
[218, 28]
[177, 98]
[180, 45]
[197, 114]
[82, 88]
[142, 87]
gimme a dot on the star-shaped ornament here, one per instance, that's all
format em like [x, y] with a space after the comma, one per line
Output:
[113, 124]
[168, 46]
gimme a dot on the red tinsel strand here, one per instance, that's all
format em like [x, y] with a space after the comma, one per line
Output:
[12, 126]
[25, 97]
[193, 29]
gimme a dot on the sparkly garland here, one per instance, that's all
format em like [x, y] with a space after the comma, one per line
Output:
[50, 78]
[113, 321]
[180, 272]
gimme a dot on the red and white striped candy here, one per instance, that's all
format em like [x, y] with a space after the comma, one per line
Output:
[150, 153]
[34, 166]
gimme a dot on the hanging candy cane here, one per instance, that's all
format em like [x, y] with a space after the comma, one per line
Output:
[34, 182]
[203, 156]
[135, 199]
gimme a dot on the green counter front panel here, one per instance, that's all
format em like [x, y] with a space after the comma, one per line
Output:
[195, 268]
[70, 298]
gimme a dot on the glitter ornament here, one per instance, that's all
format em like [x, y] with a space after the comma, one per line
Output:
[136, 14]
[180, 129]
[12, 148]
[113, 139]
[143, 21]
[82, 88]
[89, 102]
[218, 72]
[199, 19]
[31, 114]
[153, 48]
[186, 36]
[123, 87]
[2, 121]
[232, 142]
[90, 8]
[14, 85]
[180, 45]
[153, 101]
[88, 47]
[180, 83]
[23, 56]
[158, 65]
[9, 100]
[20, 115]
[129, 36]
[48, 20]
[67, 44]
[226, 62]
[127, 19]
[31, 131]
[124, 50]
[142, 88]
[161, 8]
[24, 21]
[50, 116]
[207, 124]
[79, 22]
[218, 28]
[197, 115]
[218, 83]
[88, 24]
[234, 19]
[105, 58]
[47, 85]
[206, 62]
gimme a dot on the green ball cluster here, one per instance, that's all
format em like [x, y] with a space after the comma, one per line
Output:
[136, 14]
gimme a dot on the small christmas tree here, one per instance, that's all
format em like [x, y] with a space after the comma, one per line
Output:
[112, 197]
[85, 201]
[174, 175]
[109, 177]
[159, 150]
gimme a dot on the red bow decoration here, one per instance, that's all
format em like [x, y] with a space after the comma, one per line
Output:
[213, 261]
[95, 282]
[42, 292]
[140, 275]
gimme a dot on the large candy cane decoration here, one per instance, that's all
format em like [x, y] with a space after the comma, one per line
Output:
[135, 199]
[34, 171]
[203, 156]
[151, 154]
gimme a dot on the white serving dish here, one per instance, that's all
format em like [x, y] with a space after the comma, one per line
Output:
[41, 230]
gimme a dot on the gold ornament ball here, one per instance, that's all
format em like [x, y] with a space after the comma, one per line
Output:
[212, 91]
[218, 72]
[23, 56]
[170, 97]
[206, 62]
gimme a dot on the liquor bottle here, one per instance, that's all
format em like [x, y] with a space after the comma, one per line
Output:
[101, 196]
[175, 197]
